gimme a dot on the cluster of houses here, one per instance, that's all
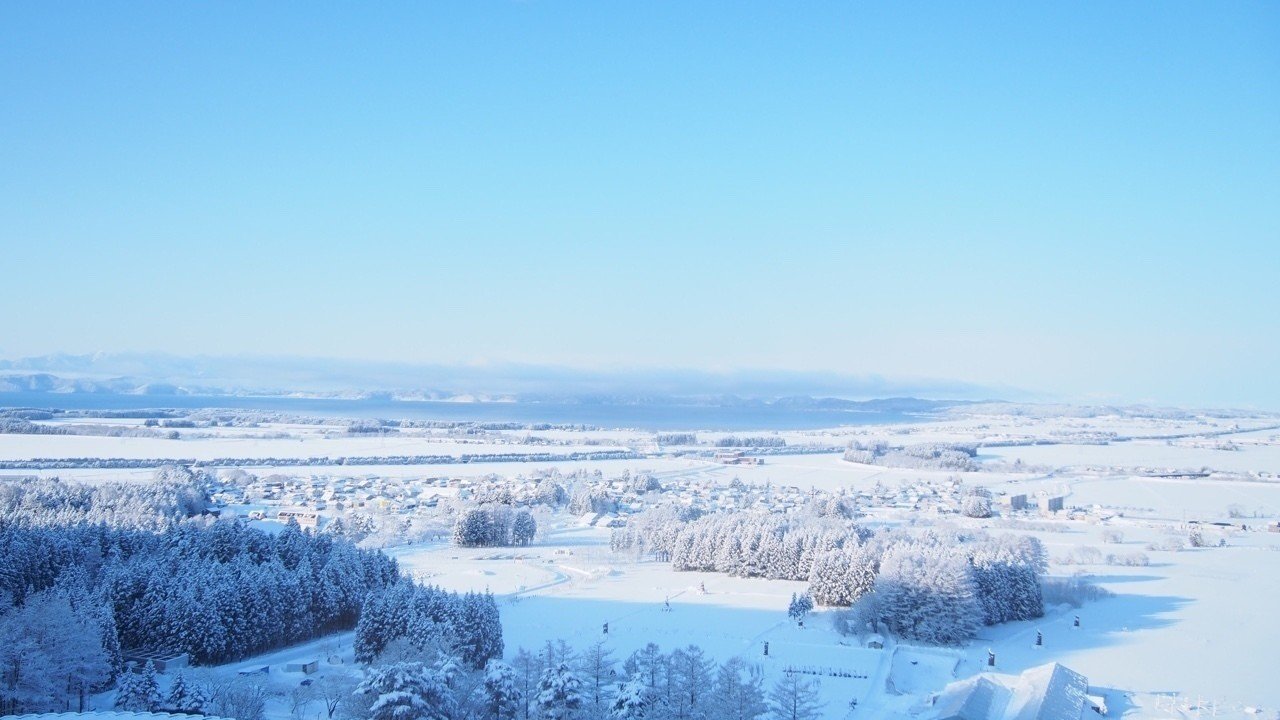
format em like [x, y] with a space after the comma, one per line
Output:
[307, 497]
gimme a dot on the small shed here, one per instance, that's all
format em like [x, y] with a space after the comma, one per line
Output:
[875, 641]
[306, 666]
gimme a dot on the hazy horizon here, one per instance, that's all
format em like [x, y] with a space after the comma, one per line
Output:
[1077, 202]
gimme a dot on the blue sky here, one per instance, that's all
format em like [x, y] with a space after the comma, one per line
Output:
[1080, 199]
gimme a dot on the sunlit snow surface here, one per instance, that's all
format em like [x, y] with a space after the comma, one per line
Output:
[1197, 625]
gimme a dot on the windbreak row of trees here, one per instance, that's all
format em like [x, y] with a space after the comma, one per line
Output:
[921, 456]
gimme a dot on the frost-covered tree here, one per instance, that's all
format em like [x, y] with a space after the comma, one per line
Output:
[828, 579]
[597, 669]
[800, 606]
[528, 669]
[139, 692]
[523, 528]
[737, 694]
[503, 698]
[1006, 571]
[493, 524]
[429, 619]
[551, 493]
[633, 700]
[928, 593]
[184, 696]
[795, 697]
[976, 505]
[76, 635]
[839, 577]
[55, 649]
[472, 528]
[406, 691]
[648, 665]
[691, 674]
[559, 693]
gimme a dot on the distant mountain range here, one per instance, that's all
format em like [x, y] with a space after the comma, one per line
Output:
[162, 374]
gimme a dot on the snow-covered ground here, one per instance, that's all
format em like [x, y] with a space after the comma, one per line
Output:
[19, 447]
[1195, 624]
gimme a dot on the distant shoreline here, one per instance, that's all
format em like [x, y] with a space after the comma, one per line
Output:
[603, 414]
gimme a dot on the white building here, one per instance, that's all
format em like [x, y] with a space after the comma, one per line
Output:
[1047, 692]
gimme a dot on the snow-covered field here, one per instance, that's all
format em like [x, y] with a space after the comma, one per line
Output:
[1196, 623]
[19, 447]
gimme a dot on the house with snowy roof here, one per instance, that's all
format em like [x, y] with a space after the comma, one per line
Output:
[1047, 692]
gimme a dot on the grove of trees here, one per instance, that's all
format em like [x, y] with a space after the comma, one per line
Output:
[924, 585]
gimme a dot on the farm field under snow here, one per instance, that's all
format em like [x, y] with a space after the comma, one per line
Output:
[20, 447]
[1184, 624]
[1194, 623]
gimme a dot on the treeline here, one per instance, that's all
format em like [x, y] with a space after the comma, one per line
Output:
[677, 439]
[728, 441]
[18, 426]
[560, 684]
[932, 586]
[419, 619]
[175, 493]
[121, 463]
[922, 456]
[756, 441]
[219, 592]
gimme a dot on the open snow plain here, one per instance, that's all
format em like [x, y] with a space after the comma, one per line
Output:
[1183, 632]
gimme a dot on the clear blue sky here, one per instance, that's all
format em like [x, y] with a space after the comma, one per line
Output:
[1082, 199]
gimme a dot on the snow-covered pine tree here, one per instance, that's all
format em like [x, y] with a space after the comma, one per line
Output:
[184, 697]
[406, 691]
[523, 528]
[559, 693]
[472, 528]
[632, 702]
[127, 697]
[149, 686]
[139, 692]
[927, 592]
[503, 699]
[800, 606]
